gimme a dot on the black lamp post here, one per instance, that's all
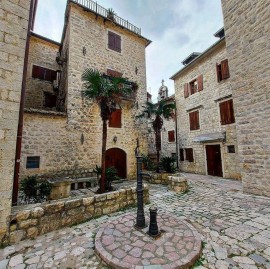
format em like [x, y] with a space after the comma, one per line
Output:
[140, 220]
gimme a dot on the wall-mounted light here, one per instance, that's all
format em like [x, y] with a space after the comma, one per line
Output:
[84, 51]
[136, 70]
[115, 139]
[82, 138]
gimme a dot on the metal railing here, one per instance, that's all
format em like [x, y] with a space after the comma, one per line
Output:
[95, 7]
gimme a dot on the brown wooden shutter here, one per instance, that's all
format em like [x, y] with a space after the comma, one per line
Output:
[111, 42]
[171, 137]
[230, 111]
[182, 155]
[189, 154]
[194, 121]
[223, 108]
[225, 69]
[118, 43]
[200, 82]
[114, 73]
[115, 120]
[38, 72]
[218, 66]
[186, 88]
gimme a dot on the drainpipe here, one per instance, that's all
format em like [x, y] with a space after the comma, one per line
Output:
[176, 136]
[20, 123]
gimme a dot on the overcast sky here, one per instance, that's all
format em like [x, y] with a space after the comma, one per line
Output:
[176, 28]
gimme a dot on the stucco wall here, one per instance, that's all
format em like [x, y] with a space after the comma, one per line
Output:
[13, 30]
[207, 101]
[247, 25]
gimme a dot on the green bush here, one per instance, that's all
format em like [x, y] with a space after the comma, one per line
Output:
[168, 164]
[148, 164]
[34, 191]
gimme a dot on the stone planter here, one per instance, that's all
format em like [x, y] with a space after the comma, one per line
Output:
[178, 183]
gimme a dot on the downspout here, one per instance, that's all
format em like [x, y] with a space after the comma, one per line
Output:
[20, 123]
[176, 136]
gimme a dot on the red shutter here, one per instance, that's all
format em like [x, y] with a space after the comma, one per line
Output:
[186, 93]
[200, 82]
[223, 108]
[115, 120]
[231, 118]
[171, 137]
[38, 72]
[113, 73]
[225, 69]
[218, 70]
[197, 120]
[182, 155]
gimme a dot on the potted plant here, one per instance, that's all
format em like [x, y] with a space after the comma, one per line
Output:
[111, 14]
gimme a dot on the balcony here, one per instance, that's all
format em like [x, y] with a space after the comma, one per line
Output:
[101, 11]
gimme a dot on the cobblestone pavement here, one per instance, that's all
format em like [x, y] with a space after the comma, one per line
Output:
[234, 228]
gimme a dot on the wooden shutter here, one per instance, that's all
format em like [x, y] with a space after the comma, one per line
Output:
[182, 155]
[226, 112]
[171, 137]
[111, 44]
[114, 73]
[200, 82]
[218, 70]
[194, 120]
[225, 69]
[189, 155]
[118, 43]
[38, 72]
[115, 120]
[186, 88]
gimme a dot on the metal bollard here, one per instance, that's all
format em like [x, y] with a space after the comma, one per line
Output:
[153, 227]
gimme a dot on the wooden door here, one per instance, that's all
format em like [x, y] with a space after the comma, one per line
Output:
[213, 159]
[117, 157]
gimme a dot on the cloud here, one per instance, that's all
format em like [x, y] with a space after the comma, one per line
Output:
[176, 27]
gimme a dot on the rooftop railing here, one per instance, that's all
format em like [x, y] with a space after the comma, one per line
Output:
[95, 7]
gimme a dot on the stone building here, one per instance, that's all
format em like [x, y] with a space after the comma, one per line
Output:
[207, 138]
[16, 19]
[247, 28]
[62, 130]
[168, 132]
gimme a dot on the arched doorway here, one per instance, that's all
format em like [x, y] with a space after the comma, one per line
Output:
[118, 158]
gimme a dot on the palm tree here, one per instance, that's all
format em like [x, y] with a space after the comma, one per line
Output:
[159, 111]
[106, 92]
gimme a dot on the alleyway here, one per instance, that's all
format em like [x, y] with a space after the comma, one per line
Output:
[235, 230]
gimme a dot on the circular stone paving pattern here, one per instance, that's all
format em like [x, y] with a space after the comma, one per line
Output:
[120, 245]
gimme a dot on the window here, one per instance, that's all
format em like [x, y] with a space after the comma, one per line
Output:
[44, 73]
[115, 120]
[32, 162]
[222, 70]
[231, 149]
[194, 121]
[186, 154]
[193, 86]
[114, 41]
[182, 158]
[171, 137]
[226, 112]
[49, 100]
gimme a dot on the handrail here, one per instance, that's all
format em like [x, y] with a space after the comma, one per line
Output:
[95, 7]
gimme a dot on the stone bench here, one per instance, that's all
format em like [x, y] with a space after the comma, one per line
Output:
[178, 183]
[61, 187]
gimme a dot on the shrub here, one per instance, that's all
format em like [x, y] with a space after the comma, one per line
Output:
[168, 164]
[33, 191]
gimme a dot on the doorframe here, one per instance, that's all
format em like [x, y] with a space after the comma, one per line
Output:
[221, 153]
[127, 156]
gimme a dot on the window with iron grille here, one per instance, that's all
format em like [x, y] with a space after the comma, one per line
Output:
[171, 136]
[115, 120]
[114, 41]
[222, 70]
[44, 73]
[226, 112]
[32, 162]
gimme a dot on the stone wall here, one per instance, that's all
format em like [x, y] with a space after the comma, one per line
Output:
[167, 148]
[247, 33]
[207, 102]
[28, 222]
[13, 30]
[42, 53]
